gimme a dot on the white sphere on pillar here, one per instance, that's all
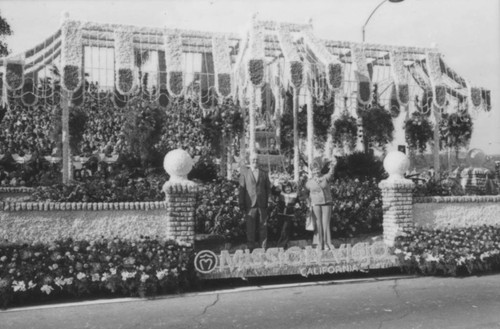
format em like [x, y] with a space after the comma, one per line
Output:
[178, 163]
[396, 164]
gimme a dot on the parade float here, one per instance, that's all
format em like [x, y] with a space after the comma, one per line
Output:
[270, 69]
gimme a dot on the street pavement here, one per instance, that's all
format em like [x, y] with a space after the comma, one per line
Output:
[376, 303]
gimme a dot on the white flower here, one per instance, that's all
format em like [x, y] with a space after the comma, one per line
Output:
[18, 286]
[160, 274]
[128, 275]
[46, 289]
[81, 276]
[68, 281]
[397, 251]
[112, 271]
[59, 281]
[461, 260]
[3, 258]
[31, 285]
[431, 258]
[96, 277]
[144, 277]
[105, 277]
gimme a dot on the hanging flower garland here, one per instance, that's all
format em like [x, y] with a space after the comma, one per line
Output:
[173, 58]
[125, 79]
[362, 74]
[14, 75]
[334, 68]
[29, 98]
[71, 55]
[418, 132]
[486, 97]
[394, 103]
[400, 78]
[222, 66]
[257, 56]
[292, 58]
[475, 97]
[436, 77]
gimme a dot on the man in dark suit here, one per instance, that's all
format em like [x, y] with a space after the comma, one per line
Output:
[254, 193]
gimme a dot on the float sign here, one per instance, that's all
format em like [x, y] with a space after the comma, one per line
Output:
[306, 261]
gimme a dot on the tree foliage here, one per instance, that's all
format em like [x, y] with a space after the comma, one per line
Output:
[378, 128]
[455, 130]
[143, 129]
[77, 122]
[4, 31]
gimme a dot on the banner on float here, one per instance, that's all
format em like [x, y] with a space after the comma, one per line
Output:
[306, 261]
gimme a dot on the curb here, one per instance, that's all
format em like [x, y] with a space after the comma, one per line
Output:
[214, 292]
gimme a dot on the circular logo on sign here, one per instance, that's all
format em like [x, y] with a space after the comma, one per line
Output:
[205, 261]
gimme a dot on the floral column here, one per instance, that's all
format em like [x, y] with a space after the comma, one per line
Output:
[397, 198]
[180, 195]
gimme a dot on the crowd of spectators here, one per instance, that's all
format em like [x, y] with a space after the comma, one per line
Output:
[29, 156]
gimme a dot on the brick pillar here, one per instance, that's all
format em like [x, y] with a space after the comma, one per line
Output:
[397, 197]
[180, 209]
[180, 195]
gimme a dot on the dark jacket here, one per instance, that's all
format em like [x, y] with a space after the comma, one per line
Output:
[254, 194]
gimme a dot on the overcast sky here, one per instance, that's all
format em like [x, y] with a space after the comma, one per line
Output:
[466, 32]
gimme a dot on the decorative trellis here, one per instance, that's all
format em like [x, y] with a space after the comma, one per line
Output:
[161, 65]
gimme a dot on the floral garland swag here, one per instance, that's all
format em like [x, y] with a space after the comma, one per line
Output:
[362, 74]
[400, 78]
[334, 68]
[125, 75]
[173, 59]
[436, 77]
[71, 56]
[294, 65]
[222, 66]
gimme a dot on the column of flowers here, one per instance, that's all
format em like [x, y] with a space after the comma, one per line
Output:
[255, 66]
[334, 73]
[294, 70]
[436, 77]
[71, 55]
[223, 87]
[400, 77]
[364, 85]
[173, 59]
[125, 73]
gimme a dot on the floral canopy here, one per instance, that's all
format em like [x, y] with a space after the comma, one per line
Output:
[164, 65]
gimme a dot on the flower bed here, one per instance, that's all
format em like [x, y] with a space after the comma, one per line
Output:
[79, 269]
[460, 251]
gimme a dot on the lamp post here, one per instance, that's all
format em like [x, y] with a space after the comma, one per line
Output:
[373, 12]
